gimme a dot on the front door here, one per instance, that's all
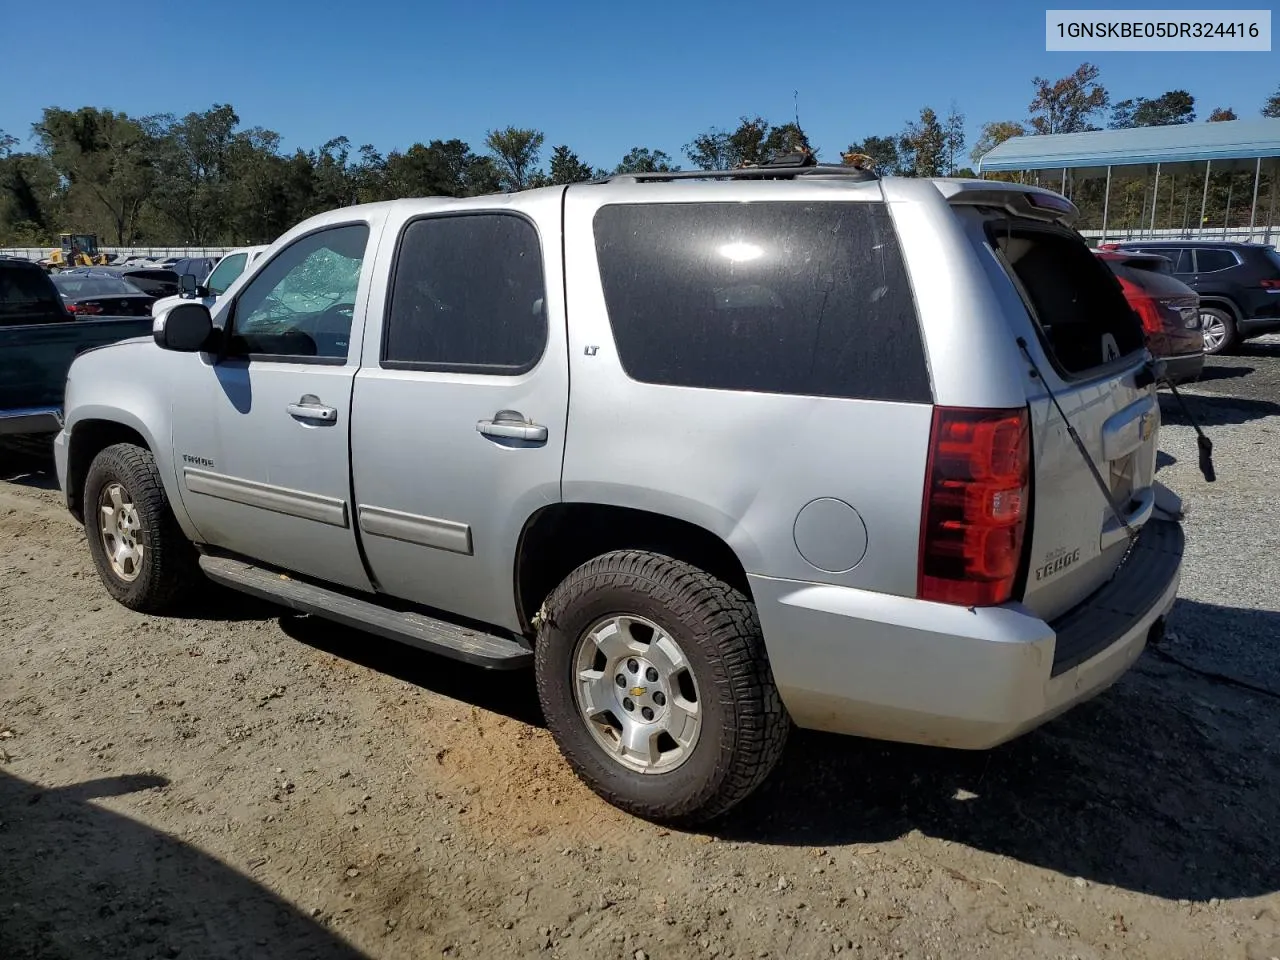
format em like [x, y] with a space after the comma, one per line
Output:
[261, 435]
[459, 415]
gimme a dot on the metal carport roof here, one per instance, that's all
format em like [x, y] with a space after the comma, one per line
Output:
[1230, 144]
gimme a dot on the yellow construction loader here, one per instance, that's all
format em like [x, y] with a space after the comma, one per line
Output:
[76, 250]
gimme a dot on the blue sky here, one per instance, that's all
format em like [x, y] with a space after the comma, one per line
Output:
[599, 79]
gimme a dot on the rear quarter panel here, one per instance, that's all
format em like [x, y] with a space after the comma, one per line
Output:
[740, 464]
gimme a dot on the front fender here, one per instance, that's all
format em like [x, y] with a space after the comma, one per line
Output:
[125, 385]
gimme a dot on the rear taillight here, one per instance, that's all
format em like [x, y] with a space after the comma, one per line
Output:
[1269, 284]
[1143, 305]
[976, 499]
[85, 308]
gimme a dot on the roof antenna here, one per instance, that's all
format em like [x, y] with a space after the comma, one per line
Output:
[796, 96]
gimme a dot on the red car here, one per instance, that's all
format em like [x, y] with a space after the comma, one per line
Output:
[1168, 308]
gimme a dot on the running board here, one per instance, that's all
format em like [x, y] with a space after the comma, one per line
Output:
[427, 633]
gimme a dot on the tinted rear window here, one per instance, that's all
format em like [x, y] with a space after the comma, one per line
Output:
[1153, 284]
[94, 287]
[1208, 260]
[795, 298]
[1084, 320]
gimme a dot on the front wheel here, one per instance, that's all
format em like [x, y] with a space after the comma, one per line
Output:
[142, 557]
[654, 681]
[1218, 327]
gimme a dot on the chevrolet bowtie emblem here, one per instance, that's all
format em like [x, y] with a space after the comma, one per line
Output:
[636, 691]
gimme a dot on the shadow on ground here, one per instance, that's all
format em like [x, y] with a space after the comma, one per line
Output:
[1214, 410]
[28, 461]
[82, 882]
[508, 692]
[1165, 784]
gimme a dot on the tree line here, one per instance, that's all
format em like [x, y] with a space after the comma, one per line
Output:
[204, 179]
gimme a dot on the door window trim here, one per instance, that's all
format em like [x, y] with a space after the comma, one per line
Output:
[261, 264]
[484, 369]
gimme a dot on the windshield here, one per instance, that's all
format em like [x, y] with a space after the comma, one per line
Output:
[94, 287]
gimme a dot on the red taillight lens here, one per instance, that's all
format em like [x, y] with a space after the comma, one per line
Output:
[976, 501]
[1143, 305]
[1269, 284]
[85, 308]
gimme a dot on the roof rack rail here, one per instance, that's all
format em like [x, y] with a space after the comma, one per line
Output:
[762, 172]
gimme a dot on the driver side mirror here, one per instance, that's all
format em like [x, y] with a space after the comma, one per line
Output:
[189, 288]
[184, 327]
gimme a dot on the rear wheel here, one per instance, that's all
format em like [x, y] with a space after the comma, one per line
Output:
[655, 684]
[1219, 329]
[142, 557]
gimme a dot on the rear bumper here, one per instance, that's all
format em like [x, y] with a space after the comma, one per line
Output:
[1185, 368]
[895, 668]
[30, 420]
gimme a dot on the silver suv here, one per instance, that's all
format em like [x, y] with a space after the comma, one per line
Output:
[714, 454]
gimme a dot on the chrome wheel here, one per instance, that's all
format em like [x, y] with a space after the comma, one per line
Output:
[634, 689]
[121, 532]
[1214, 330]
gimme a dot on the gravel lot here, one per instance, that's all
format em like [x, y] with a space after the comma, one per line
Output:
[242, 784]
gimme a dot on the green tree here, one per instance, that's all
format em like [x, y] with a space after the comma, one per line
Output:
[1271, 108]
[566, 167]
[190, 161]
[515, 150]
[644, 160]
[1068, 105]
[710, 150]
[953, 138]
[1222, 113]
[883, 152]
[788, 138]
[104, 159]
[993, 134]
[922, 146]
[1171, 107]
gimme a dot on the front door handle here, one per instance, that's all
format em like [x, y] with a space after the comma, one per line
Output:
[309, 407]
[512, 425]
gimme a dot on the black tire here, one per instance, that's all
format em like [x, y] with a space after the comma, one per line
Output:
[1231, 340]
[744, 724]
[168, 570]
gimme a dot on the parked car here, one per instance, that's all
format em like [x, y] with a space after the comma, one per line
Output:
[803, 474]
[228, 269]
[154, 281]
[1238, 284]
[1168, 308]
[38, 340]
[89, 296]
[198, 267]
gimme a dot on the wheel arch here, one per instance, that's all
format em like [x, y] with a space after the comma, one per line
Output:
[96, 428]
[561, 537]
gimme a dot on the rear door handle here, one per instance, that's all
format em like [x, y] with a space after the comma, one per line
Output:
[512, 425]
[309, 407]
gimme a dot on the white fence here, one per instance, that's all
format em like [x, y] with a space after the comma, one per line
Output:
[1261, 234]
[120, 253]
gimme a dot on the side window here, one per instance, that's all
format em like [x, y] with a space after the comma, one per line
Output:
[226, 272]
[301, 304]
[468, 294]
[1208, 260]
[770, 297]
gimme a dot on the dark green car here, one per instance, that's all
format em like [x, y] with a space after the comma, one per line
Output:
[38, 340]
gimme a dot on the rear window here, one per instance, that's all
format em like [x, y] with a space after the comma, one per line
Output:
[1153, 284]
[24, 289]
[1208, 260]
[1084, 320]
[94, 287]
[794, 298]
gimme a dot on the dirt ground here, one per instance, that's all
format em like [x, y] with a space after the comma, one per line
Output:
[245, 784]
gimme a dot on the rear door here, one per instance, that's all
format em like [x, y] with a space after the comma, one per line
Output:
[460, 409]
[1088, 345]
